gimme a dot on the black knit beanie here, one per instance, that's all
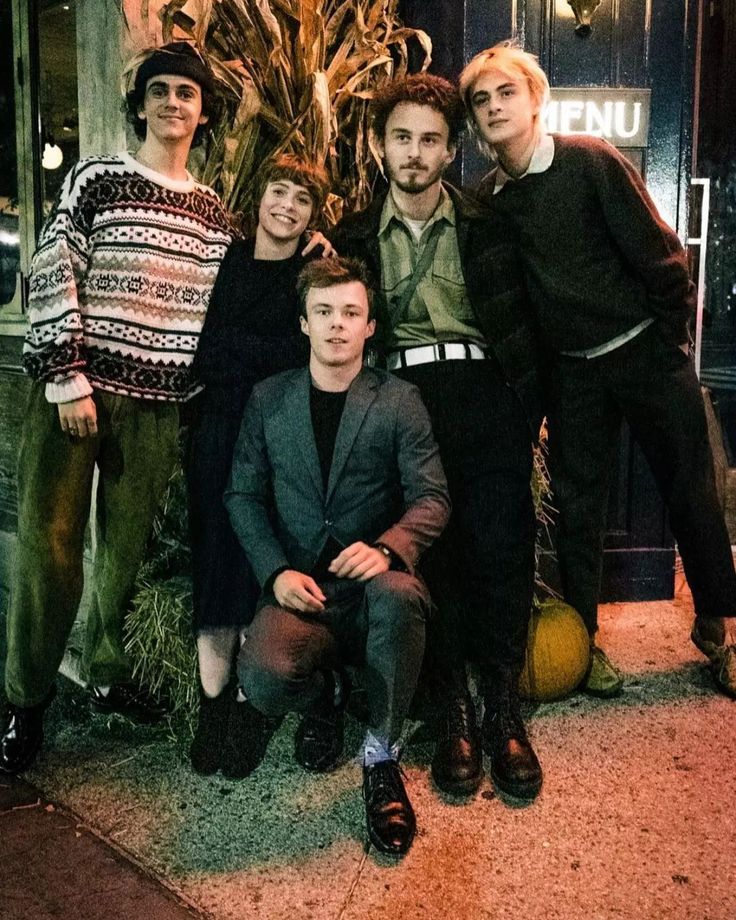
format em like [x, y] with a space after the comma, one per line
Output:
[177, 58]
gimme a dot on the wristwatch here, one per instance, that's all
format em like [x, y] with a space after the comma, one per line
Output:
[395, 563]
[387, 553]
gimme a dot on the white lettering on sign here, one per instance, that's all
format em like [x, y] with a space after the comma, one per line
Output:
[621, 116]
[611, 120]
[621, 129]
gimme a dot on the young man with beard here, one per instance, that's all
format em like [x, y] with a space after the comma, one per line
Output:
[336, 490]
[453, 322]
[610, 285]
[118, 292]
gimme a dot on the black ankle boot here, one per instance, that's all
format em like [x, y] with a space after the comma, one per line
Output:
[246, 739]
[206, 749]
[515, 769]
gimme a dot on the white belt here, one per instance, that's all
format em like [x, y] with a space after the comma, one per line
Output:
[442, 351]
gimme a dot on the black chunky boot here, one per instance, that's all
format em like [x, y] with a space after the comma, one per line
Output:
[515, 769]
[457, 765]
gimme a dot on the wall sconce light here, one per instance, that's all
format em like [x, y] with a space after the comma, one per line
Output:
[52, 156]
[583, 10]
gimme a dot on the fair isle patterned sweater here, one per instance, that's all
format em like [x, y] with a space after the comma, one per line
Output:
[121, 280]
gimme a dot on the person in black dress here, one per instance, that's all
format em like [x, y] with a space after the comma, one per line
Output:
[251, 332]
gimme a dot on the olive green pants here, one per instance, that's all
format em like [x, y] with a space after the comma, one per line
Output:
[135, 451]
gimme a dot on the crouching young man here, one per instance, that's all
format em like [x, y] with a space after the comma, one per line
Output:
[336, 490]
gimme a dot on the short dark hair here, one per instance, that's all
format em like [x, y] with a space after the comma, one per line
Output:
[326, 273]
[299, 171]
[178, 58]
[419, 89]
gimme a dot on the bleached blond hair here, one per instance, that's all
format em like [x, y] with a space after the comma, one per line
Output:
[510, 59]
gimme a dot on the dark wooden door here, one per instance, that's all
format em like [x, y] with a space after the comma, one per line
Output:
[633, 43]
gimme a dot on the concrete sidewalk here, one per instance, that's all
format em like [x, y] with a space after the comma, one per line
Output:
[635, 821]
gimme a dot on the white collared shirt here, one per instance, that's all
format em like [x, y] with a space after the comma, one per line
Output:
[544, 153]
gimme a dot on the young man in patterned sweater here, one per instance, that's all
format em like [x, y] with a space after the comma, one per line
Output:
[118, 293]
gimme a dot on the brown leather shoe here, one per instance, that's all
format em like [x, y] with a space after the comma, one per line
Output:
[457, 765]
[722, 661]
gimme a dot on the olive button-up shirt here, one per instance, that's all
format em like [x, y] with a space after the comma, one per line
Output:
[439, 309]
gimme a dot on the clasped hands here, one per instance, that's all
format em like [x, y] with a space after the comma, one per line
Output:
[297, 591]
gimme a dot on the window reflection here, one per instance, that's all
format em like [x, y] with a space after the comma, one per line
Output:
[9, 239]
[57, 94]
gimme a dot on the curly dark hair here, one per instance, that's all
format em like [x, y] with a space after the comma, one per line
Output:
[326, 273]
[175, 58]
[419, 89]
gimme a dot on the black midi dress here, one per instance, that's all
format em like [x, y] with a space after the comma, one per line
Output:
[251, 332]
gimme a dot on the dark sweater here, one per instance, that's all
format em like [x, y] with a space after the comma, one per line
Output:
[598, 258]
[251, 329]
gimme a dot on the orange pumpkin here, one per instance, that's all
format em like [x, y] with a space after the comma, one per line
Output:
[557, 652]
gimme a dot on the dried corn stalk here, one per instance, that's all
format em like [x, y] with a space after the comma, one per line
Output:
[297, 76]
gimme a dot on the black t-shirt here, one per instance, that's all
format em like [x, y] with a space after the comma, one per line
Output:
[326, 409]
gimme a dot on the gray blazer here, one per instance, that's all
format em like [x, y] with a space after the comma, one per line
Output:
[386, 481]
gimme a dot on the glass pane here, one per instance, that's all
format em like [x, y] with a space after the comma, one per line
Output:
[57, 94]
[9, 239]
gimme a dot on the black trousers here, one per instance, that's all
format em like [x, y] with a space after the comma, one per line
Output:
[481, 570]
[225, 590]
[652, 384]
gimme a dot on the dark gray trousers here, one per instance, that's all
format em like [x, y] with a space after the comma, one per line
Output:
[377, 625]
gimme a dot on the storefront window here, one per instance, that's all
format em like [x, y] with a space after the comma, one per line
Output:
[57, 94]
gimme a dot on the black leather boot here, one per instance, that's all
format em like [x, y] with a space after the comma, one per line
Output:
[22, 735]
[515, 769]
[457, 765]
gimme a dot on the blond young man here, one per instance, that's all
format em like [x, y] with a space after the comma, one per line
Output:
[610, 285]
